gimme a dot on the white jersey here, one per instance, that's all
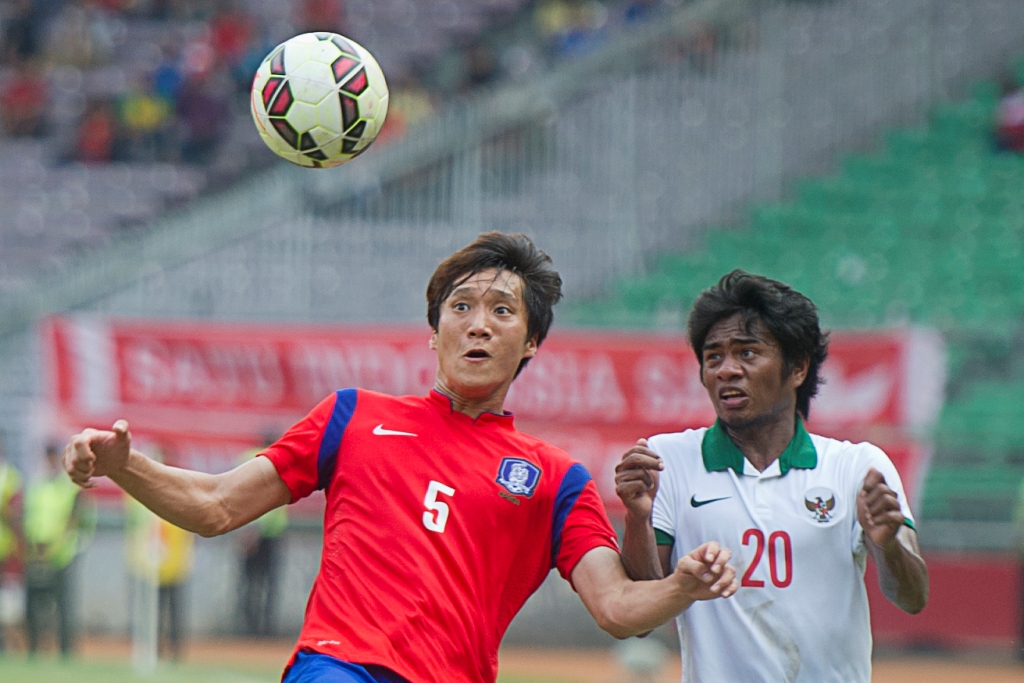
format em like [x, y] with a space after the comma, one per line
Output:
[801, 612]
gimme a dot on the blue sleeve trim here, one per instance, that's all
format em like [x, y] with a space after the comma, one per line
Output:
[344, 406]
[568, 492]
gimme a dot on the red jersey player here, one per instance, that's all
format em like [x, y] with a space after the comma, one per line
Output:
[441, 517]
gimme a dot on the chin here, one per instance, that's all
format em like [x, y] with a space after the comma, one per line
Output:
[474, 387]
[742, 420]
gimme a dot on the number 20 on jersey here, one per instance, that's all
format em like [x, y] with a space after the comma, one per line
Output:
[780, 559]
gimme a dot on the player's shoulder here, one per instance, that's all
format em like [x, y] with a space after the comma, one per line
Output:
[356, 403]
[528, 444]
[370, 397]
[846, 452]
[677, 444]
[367, 400]
[558, 467]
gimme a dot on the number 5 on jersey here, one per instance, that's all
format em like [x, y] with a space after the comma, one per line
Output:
[436, 516]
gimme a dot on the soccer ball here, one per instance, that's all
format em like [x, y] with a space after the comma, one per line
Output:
[319, 99]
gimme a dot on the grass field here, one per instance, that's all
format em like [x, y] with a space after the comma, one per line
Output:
[233, 661]
[212, 661]
[18, 670]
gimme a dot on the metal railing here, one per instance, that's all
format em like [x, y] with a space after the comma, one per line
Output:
[638, 147]
[275, 202]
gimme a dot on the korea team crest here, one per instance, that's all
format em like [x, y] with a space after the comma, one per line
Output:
[519, 477]
[821, 504]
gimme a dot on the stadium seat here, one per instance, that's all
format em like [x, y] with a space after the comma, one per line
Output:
[931, 231]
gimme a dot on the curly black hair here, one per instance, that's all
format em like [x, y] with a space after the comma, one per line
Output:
[790, 317]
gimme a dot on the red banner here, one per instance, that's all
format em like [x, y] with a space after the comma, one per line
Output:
[205, 391]
[960, 614]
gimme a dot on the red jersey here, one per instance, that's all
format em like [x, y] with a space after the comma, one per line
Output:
[438, 528]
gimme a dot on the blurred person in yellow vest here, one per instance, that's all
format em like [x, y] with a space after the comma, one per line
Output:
[58, 521]
[261, 553]
[1018, 518]
[160, 553]
[10, 502]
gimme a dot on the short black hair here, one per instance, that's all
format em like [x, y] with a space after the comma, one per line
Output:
[790, 317]
[516, 253]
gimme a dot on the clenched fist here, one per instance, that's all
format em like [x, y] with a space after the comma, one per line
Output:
[878, 510]
[97, 453]
[636, 479]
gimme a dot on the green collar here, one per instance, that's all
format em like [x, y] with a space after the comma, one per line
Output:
[720, 453]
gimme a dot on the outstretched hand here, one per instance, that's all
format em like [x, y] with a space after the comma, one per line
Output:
[705, 573]
[636, 478]
[96, 453]
[878, 510]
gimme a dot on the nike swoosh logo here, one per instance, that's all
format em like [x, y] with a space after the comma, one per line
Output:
[380, 431]
[697, 503]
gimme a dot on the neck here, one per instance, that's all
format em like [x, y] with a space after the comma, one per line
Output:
[763, 440]
[474, 406]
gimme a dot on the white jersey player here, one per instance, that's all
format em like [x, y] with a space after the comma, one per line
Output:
[800, 511]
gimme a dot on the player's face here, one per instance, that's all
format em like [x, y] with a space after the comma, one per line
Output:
[481, 335]
[743, 373]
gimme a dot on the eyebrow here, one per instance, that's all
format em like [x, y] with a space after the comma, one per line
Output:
[501, 293]
[743, 341]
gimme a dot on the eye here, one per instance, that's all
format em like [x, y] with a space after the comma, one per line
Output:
[747, 353]
[461, 306]
[503, 310]
[712, 357]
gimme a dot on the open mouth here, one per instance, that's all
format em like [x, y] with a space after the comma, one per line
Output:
[477, 354]
[732, 397]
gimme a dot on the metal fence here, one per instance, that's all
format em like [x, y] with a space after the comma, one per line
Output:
[633, 149]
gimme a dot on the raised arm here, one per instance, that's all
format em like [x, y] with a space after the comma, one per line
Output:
[206, 504]
[902, 573]
[636, 484]
[625, 608]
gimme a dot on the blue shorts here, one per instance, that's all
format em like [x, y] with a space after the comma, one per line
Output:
[310, 667]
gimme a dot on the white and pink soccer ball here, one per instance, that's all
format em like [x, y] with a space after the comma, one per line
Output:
[319, 99]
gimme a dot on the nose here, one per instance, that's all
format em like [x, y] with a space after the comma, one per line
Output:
[729, 368]
[480, 324]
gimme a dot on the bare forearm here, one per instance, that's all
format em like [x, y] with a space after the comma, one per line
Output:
[640, 550]
[182, 497]
[642, 606]
[902, 574]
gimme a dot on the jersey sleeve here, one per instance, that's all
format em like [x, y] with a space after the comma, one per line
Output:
[306, 455]
[663, 512]
[580, 523]
[875, 457]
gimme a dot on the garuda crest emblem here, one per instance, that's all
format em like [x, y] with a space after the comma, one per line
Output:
[820, 503]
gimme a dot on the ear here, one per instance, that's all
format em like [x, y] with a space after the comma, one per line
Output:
[799, 374]
[433, 340]
[531, 347]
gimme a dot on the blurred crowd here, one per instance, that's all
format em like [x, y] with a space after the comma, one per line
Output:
[150, 79]
[46, 525]
[163, 80]
[542, 34]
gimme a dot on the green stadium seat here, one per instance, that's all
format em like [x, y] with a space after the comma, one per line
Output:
[930, 231]
[985, 493]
